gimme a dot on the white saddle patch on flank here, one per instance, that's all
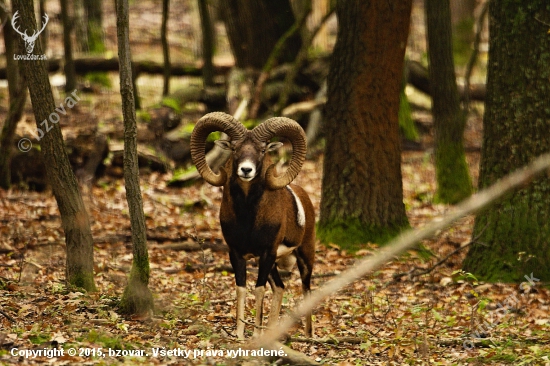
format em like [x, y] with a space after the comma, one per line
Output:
[301, 216]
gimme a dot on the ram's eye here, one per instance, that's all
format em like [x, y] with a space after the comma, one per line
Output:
[263, 151]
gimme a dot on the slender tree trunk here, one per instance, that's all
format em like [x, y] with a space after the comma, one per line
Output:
[137, 298]
[514, 236]
[79, 25]
[94, 25]
[165, 48]
[15, 112]
[17, 90]
[453, 179]
[70, 74]
[362, 194]
[207, 44]
[462, 23]
[46, 33]
[74, 218]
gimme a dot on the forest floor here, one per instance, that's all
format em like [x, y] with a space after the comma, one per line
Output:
[390, 316]
[393, 316]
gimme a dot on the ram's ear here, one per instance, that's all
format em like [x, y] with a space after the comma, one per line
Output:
[274, 146]
[224, 144]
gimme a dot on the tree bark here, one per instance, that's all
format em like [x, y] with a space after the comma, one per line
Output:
[70, 74]
[15, 112]
[462, 24]
[453, 178]
[94, 29]
[362, 194]
[137, 298]
[17, 90]
[515, 235]
[255, 26]
[46, 32]
[165, 48]
[74, 218]
[207, 44]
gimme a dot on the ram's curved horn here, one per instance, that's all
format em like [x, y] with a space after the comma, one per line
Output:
[215, 121]
[283, 127]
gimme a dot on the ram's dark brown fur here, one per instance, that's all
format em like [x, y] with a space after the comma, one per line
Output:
[262, 222]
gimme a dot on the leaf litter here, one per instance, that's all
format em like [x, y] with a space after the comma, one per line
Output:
[390, 317]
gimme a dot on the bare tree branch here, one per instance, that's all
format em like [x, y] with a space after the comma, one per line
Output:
[475, 53]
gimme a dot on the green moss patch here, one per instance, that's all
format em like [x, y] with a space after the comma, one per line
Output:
[453, 178]
[352, 234]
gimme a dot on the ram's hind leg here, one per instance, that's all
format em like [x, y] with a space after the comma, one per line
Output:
[266, 264]
[278, 290]
[305, 266]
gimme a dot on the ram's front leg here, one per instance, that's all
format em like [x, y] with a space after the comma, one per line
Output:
[239, 267]
[264, 268]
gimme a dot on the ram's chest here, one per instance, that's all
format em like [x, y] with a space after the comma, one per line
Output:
[249, 226]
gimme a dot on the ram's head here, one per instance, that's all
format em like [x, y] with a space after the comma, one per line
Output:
[249, 148]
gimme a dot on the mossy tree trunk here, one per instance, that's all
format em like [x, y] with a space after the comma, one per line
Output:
[94, 26]
[137, 298]
[17, 90]
[462, 21]
[254, 27]
[453, 178]
[362, 194]
[74, 218]
[514, 236]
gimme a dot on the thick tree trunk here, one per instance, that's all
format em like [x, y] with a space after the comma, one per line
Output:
[453, 178]
[137, 298]
[515, 234]
[255, 26]
[74, 218]
[362, 197]
[70, 74]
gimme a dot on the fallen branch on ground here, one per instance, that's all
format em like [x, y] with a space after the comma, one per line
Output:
[96, 64]
[12, 320]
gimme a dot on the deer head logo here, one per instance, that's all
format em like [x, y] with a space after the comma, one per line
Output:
[29, 40]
